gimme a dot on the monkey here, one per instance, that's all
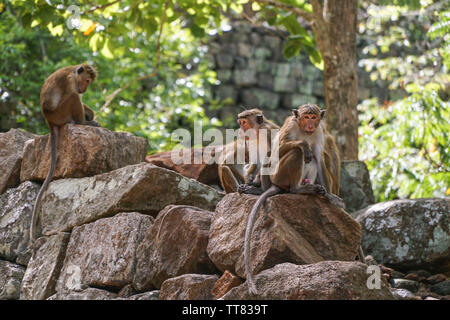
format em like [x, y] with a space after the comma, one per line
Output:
[231, 174]
[307, 154]
[61, 103]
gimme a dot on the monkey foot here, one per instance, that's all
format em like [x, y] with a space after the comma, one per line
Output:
[247, 189]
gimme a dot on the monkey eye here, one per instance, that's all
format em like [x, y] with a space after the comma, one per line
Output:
[242, 122]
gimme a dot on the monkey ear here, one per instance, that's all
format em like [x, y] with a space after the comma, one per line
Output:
[80, 70]
[259, 119]
[295, 112]
[322, 113]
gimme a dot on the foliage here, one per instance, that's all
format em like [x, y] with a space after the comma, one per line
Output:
[405, 142]
[121, 41]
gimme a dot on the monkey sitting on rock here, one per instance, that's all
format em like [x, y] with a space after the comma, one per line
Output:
[232, 174]
[308, 163]
[61, 104]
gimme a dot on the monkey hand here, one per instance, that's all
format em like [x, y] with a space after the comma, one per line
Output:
[320, 189]
[93, 123]
[247, 189]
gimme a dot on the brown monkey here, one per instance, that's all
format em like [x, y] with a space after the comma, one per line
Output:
[232, 174]
[307, 154]
[61, 104]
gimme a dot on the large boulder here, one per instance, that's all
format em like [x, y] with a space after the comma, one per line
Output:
[225, 283]
[202, 172]
[10, 278]
[188, 287]
[83, 151]
[327, 280]
[143, 188]
[103, 253]
[408, 234]
[86, 294]
[44, 267]
[290, 228]
[174, 246]
[16, 206]
[11, 154]
[355, 186]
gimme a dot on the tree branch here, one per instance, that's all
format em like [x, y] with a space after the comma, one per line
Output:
[155, 71]
[297, 11]
[103, 6]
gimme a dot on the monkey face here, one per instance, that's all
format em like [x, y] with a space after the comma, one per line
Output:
[309, 122]
[83, 83]
[244, 124]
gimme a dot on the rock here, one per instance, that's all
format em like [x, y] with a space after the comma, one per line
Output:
[436, 278]
[188, 287]
[244, 50]
[299, 99]
[203, 172]
[10, 278]
[244, 77]
[261, 53]
[442, 288]
[11, 154]
[180, 247]
[261, 98]
[291, 228]
[414, 277]
[355, 186]
[403, 294]
[397, 275]
[409, 285]
[87, 294]
[326, 280]
[284, 85]
[103, 253]
[224, 60]
[16, 206]
[419, 273]
[226, 92]
[224, 75]
[44, 268]
[408, 234]
[127, 291]
[430, 298]
[144, 187]
[151, 295]
[225, 283]
[83, 151]
[255, 38]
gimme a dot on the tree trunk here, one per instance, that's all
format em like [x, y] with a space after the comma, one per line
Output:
[334, 27]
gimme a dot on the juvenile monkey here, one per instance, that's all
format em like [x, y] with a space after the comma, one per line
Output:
[307, 155]
[231, 174]
[61, 104]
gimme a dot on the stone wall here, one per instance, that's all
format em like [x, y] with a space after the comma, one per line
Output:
[252, 72]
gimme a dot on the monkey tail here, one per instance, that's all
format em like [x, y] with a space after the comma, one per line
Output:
[54, 131]
[273, 190]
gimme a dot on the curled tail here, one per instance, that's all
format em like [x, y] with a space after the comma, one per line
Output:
[54, 131]
[273, 190]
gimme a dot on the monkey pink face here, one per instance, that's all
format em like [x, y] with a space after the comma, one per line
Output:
[309, 123]
[244, 124]
[83, 83]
